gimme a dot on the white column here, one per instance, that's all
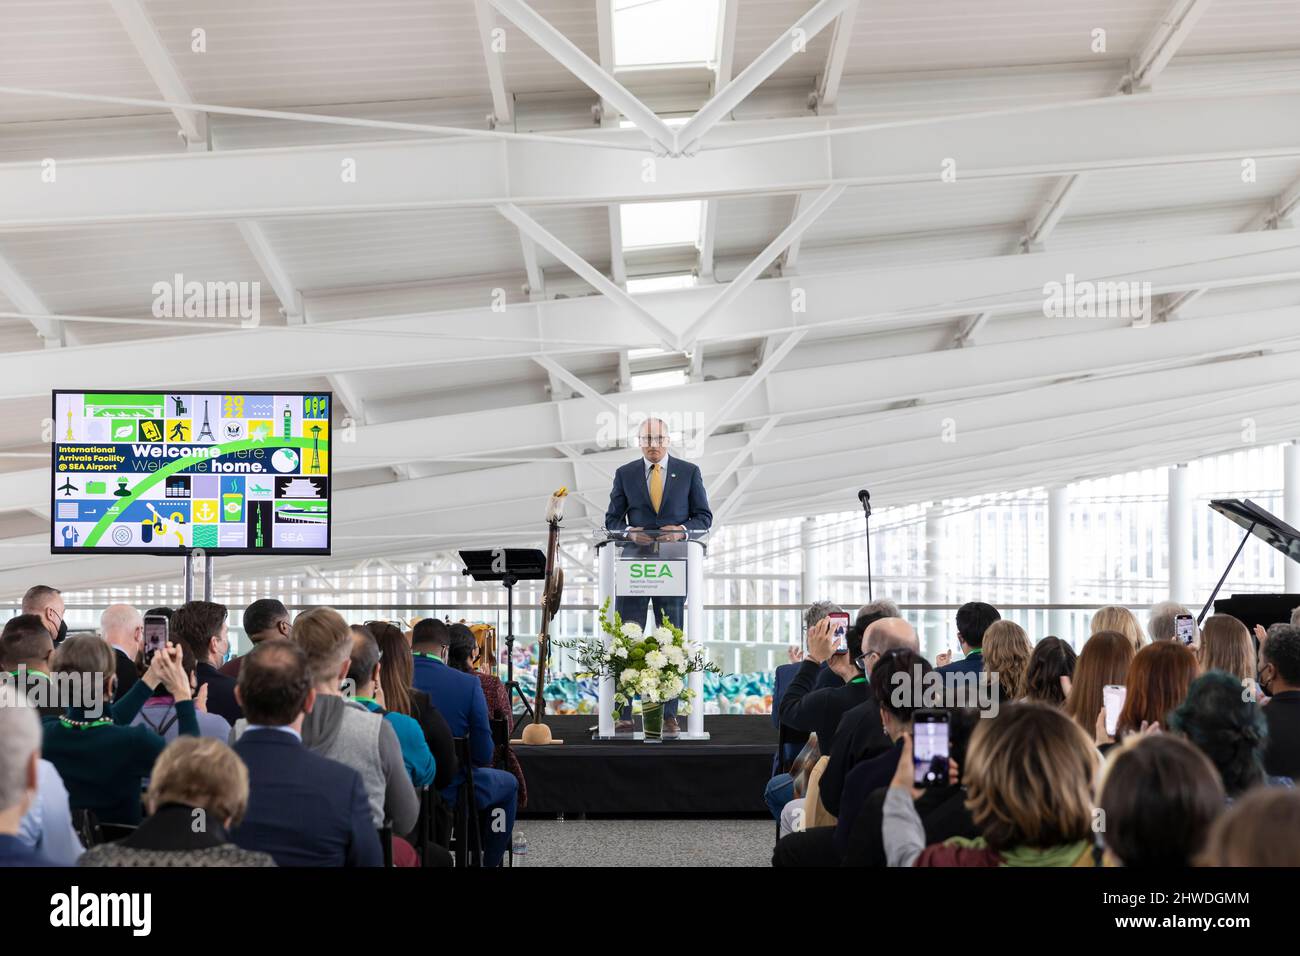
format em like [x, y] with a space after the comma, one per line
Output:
[1060, 586]
[605, 592]
[810, 584]
[1291, 506]
[1181, 586]
[936, 631]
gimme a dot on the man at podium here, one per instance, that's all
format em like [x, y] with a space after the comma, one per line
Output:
[662, 494]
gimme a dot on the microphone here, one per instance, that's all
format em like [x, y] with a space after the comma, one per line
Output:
[864, 496]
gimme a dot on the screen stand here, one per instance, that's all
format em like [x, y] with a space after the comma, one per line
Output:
[189, 574]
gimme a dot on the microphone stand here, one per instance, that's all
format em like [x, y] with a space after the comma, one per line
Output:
[866, 516]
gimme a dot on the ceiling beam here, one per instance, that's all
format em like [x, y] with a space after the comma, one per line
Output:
[828, 84]
[601, 81]
[1174, 27]
[53, 333]
[148, 44]
[1149, 130]
[502, 114]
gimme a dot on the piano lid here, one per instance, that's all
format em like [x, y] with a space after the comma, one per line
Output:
[1261, 524]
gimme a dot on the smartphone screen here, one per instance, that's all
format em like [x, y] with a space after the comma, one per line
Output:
[930, 748]
[839, 633]
[1112, 696]
[155, 633]
[1185, 628]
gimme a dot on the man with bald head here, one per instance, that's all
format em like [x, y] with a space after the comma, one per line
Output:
[861, 734]
[663, 494]
[122, 628]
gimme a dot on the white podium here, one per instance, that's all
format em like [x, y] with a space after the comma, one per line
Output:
[619, 578]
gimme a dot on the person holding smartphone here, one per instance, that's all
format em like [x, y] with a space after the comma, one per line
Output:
[819, 711]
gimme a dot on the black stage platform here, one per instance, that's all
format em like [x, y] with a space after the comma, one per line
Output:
[723, 775]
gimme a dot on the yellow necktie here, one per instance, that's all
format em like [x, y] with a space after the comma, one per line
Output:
[656, 487]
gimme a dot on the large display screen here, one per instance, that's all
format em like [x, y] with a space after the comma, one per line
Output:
[161, 472]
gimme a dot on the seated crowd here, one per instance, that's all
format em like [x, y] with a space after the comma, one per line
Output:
[325, 745]
[1045, 766]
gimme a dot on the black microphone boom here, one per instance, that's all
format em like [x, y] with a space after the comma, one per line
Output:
[864, 496]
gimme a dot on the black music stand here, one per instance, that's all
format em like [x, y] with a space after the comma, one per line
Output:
[509, 566]
[1259, 524]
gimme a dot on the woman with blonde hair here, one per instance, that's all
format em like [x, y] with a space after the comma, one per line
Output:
[1105, 659]
[198, 792]
[1227, 646]
[1006, 653]
[1029, 774]
[1116, 618]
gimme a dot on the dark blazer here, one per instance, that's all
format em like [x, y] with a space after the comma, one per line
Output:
[127, 674]
[14, 852]
[859, 737]
[819, 711]
[221, 692]
[1282, 754]
[684, 502]
[861, 782]
[304, 809]
[972, 663]
[459, 698]
[437, 735]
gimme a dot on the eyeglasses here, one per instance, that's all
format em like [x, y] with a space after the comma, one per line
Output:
[655, 441]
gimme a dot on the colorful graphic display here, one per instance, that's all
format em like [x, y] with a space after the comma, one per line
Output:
[167, 472]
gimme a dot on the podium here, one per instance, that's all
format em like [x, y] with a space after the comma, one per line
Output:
[649, 564]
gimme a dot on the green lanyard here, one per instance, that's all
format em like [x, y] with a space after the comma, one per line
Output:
[858, 680]
[366, 700]
[37, 673]
[427, 657]
[73, 725]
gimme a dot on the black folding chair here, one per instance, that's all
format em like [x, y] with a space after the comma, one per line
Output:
[433, 829]
[466, 838]
[386, 844]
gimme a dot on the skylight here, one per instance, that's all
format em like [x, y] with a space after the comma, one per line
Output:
[651, 33]
[649, 225]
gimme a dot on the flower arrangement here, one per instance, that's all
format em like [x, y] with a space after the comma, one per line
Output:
[651, 665]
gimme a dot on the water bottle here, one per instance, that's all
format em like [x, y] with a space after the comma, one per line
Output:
[518, 849]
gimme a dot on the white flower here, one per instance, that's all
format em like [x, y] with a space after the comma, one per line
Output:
[632, 631]
[655, 660]
[619, 651]
[675, 656]
[664, 636]
[672, 687]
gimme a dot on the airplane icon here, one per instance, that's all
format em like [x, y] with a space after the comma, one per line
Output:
[67, 488]
[259, 490]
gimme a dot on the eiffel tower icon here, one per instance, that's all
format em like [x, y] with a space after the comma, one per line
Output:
[206, 430]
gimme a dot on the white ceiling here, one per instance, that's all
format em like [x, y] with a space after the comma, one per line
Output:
[469, 416]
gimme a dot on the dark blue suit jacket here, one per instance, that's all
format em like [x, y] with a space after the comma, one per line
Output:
[13, 852]
[970, 664]
[304, 809]
[684, 502]
[459, 698]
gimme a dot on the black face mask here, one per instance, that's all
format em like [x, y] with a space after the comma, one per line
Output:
[63, 632]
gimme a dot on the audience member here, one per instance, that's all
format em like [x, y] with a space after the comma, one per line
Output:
[1227, 729]
[1028, 778]
[363, 672]
[1104, 661]
[346, 731]
[303, 809]
[462, 655]
[1160, 625]
[47, 826]
[160, 713]
[47, 604]
[1279, 676]
[122, 627]
[1226, 645]
[1260, 829]
[1157, 682]
[1159, 796]
[973, 619]
[26, 652]
[264, 620]
[1121, 619]
[1050, 671]
[197, 792]
[102, 761]
[459, 697]
[202, 625]
[396, 678]
[861, 734]
[1006, 653]
[20, 758]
